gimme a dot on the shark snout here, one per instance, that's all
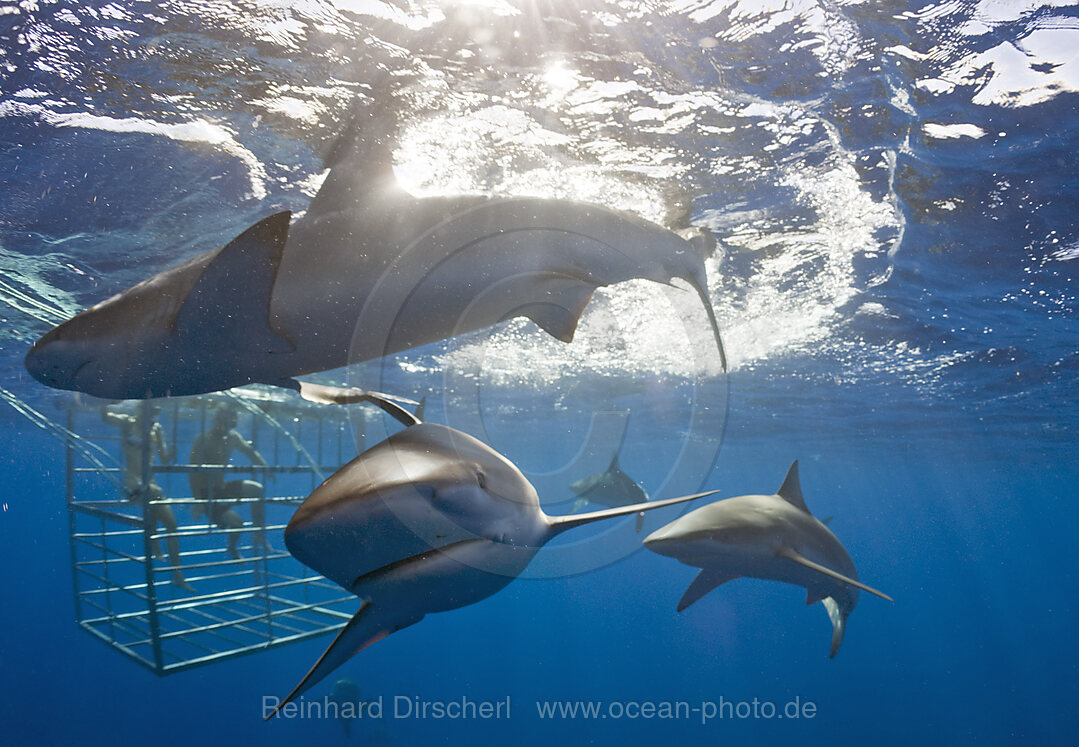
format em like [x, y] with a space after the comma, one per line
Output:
[55, 363]
[663, 539]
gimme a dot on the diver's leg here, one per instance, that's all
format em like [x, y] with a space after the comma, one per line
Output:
[155, 494]
[258, 515]
[227, 518]
[163, 515]
[253, 489]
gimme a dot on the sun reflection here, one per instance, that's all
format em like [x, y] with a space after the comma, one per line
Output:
[505, 151]
[560, 81]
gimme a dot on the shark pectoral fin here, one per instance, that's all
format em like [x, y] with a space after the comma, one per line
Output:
[337, 395]
[706, 581]
[839, 624]
[558, 524]
[796, 557]
[361, 631]
[701, 286]
[230, 302]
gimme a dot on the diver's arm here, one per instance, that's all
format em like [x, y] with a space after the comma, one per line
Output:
[244, 446]
[163, 452]
[114, 418]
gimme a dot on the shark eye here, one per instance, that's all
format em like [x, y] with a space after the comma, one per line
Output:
[481, 478]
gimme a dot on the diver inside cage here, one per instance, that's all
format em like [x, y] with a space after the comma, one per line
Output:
[131, 430]
[216, 496]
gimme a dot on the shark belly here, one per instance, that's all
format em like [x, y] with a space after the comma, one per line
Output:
[445, 578]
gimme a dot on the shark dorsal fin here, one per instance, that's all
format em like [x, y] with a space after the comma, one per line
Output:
[555, 303]
[791, 489]
[706, 581]
[230, 301]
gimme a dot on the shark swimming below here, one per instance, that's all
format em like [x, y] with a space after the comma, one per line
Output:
[429, 520]
[612, 488]
[346, 696]
[369, 270]
[765, 536]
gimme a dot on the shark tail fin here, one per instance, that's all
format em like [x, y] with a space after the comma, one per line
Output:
[361, 631]
[559, 524]
[839, 624]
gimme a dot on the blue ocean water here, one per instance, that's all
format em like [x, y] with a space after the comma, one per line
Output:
[893, 189]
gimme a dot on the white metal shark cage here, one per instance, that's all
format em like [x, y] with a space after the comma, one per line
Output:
[125, 590]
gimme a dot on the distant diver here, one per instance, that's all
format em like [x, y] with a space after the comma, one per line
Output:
[611, 488]
[429, 520]
[773, 537]
[131, 439]
[369, 270]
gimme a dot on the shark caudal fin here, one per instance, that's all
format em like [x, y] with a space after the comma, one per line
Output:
[365, 628]
[244, 268]
[559, 524]
[839, 624]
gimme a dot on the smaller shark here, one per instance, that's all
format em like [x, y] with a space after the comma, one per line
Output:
[346, 695]
[611, 488]
[765, 536]
[429, 520]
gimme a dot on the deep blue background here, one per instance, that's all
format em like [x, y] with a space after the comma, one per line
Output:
[939, 428]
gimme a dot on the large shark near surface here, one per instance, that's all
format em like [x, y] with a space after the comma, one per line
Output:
[612, 488]
[368, 270]
[771, 537]
[429, 520]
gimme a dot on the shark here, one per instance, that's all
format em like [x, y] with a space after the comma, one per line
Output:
[346, 696]
[429, 520]
[612, 488]
[369, 270]
[772, 537]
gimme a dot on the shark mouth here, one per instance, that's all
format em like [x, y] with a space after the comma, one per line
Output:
[404, 563]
